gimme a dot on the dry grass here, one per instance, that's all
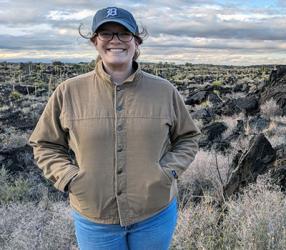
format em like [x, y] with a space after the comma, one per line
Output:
[270, 109]
[257, 220]
[27, 226]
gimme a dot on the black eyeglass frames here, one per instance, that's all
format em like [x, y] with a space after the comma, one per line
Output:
[107, 36]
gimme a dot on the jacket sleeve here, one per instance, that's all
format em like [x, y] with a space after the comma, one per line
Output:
[50, 145]
[184, 135]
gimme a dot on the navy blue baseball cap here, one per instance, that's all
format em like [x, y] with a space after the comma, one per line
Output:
[117, 15]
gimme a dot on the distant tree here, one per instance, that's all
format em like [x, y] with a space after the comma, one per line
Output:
[57, 63]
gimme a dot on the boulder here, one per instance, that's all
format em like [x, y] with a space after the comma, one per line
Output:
[249, 105]
[212, 137]
[247, 166]
[214, 130]
[275, 89]
[196, 98]
[278, 173]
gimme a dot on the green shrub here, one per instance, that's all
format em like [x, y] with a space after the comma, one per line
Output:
[15, 95]
[12, 190]
[217, 83]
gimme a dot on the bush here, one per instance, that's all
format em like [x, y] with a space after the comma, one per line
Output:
[217, 83]
[12, 190]
[270, 109]
[15, 95]
[256, 220]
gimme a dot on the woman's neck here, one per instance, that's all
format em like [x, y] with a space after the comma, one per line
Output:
[118, 74]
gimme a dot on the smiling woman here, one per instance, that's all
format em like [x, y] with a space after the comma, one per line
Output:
[132, 137]
[129, 38]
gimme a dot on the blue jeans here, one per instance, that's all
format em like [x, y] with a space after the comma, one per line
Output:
[154, 233]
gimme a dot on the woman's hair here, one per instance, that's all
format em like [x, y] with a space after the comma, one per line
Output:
[142, 35]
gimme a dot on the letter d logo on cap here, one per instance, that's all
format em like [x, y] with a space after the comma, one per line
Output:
[111, 12]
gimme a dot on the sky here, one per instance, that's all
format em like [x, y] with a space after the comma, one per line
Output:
[195, 31]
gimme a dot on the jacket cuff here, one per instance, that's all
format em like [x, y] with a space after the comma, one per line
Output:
[61, 183]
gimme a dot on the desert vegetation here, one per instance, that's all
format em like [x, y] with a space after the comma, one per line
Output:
[231, 197]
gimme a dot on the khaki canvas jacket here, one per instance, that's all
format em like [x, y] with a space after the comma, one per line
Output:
[130, 142]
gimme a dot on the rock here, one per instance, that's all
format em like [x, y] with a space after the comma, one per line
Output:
[196, 98]
[16, 119]
[16, 159]
[212, 137]
[276, 88]
[229, 108]
[239, 87]
[249, 105]
[24, 89]
[278, 174]
[214, 99]
[253, 162]
[205, 115]
[214, 130]
[259, 123]
[237, 131]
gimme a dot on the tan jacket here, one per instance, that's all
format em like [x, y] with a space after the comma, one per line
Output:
[130, 143]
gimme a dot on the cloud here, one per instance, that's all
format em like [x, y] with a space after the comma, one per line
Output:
[179, 30]
[58, 15]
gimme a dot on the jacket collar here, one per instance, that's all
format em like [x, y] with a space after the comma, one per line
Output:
[99, 70]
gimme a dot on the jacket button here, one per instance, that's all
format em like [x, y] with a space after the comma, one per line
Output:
[119, 171]
[119, 108]
[119, 149]
[119, 128]
[119, 192]
[118, 88]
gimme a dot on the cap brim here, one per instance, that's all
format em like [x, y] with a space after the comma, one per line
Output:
[123, 23]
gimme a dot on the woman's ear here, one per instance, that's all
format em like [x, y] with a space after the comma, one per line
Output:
[136, 44]
[93, 40]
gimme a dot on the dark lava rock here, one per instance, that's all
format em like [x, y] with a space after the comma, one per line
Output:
[237, 131]
[24, 89]
[259, 123]
[206, 115]
[278, 173]
[16, 159]
[196, 98]
[16, 119]
[253, 162]
[214, 99]
[276, 88]
[249, 105]
[229, 108]
[212, 137]
[214, 130]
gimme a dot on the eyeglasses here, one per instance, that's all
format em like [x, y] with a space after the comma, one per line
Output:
[107, 36]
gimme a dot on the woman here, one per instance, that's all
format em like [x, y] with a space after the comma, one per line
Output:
[132, 137]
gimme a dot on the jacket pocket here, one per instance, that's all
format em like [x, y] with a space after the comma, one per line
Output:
[167, 173]
[77, 186]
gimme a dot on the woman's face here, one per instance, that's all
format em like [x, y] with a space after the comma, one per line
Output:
[115, 53]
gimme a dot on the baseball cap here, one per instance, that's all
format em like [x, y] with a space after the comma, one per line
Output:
[117, 15]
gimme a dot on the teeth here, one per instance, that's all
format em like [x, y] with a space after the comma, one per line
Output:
[115, 49]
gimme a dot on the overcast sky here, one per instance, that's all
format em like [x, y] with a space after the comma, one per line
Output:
[197, 31]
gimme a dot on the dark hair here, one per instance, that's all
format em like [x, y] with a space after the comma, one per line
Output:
[142, 35]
